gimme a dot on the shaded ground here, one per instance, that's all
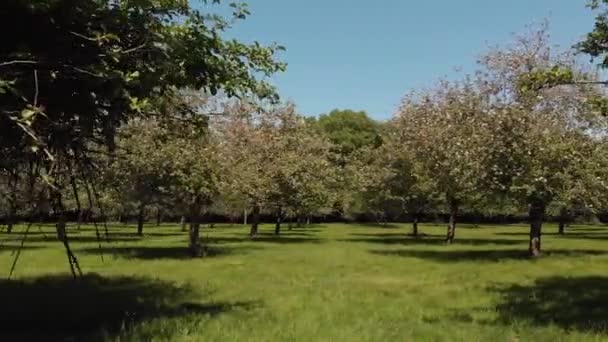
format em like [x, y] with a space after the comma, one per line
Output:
[161, 252]
[94, 307]
[579, 303]
[484, 255]
[401, 239]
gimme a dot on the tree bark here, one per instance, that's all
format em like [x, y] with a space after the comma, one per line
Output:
[561, 229]
[563, 220]
[195, 243]
[9, 226]
[451, 233]
[536, 215]
[86, 218]
[415, 225]
[12, 207]
[140, 220]
[159, 216]
[10, 219]
[307, 220]
[277, 227]
[183, 223]
[255, 220]
[245, 217]
[77, 198]
[195, 224]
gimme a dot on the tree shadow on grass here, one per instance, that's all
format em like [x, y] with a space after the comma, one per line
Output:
[165, 234]
[13, 248]
[83, 238]
[288, 234]
[292, 233]
[584, 236]
[265, 238]
[587, 228]
[310, 227]
[284, 239]
[377, 225]
[131, 231]
[579, 303]
[492, 255]
[90, 236]
[402, 239]
[153, 253]
[58, 308]
[574, 235]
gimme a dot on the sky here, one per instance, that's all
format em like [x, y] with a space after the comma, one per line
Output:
[365, 55]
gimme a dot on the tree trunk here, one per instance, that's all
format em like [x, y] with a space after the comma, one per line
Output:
[307, 220]
[415, 225]
[536, 214]
[255, 220]
[299, 221]
[563, 219]
[195, 243]
[562, 225]
[290, 224]
[451, 233]
[62, 234]
[86, 218]
[78, 206]
[245, 217]
[140, 220]
[159, 216]
[183, 223]
[12, 211]
[194, 233]
[277, 227]
[10, 219]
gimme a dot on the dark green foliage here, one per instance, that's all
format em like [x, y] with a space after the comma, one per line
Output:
[532, 82]
[594, 43]
[78, 69]
[350, 130]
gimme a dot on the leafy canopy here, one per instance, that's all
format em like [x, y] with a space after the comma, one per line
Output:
[350, 130]
[78, 69]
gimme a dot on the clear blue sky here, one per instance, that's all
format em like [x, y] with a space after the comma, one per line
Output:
[366, 55]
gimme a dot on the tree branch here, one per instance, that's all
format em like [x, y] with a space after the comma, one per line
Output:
[83, 36]
[77, 69]
[17, 62]
[36, 84]
[605, 83]
[134, 48]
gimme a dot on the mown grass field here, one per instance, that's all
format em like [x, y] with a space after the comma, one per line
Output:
[319, 283]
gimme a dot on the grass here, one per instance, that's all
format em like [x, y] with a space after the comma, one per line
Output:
[320, 283]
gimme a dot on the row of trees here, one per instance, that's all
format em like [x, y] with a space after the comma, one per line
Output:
[495, 138]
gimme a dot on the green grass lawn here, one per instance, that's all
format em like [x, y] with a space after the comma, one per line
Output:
[319, 283]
